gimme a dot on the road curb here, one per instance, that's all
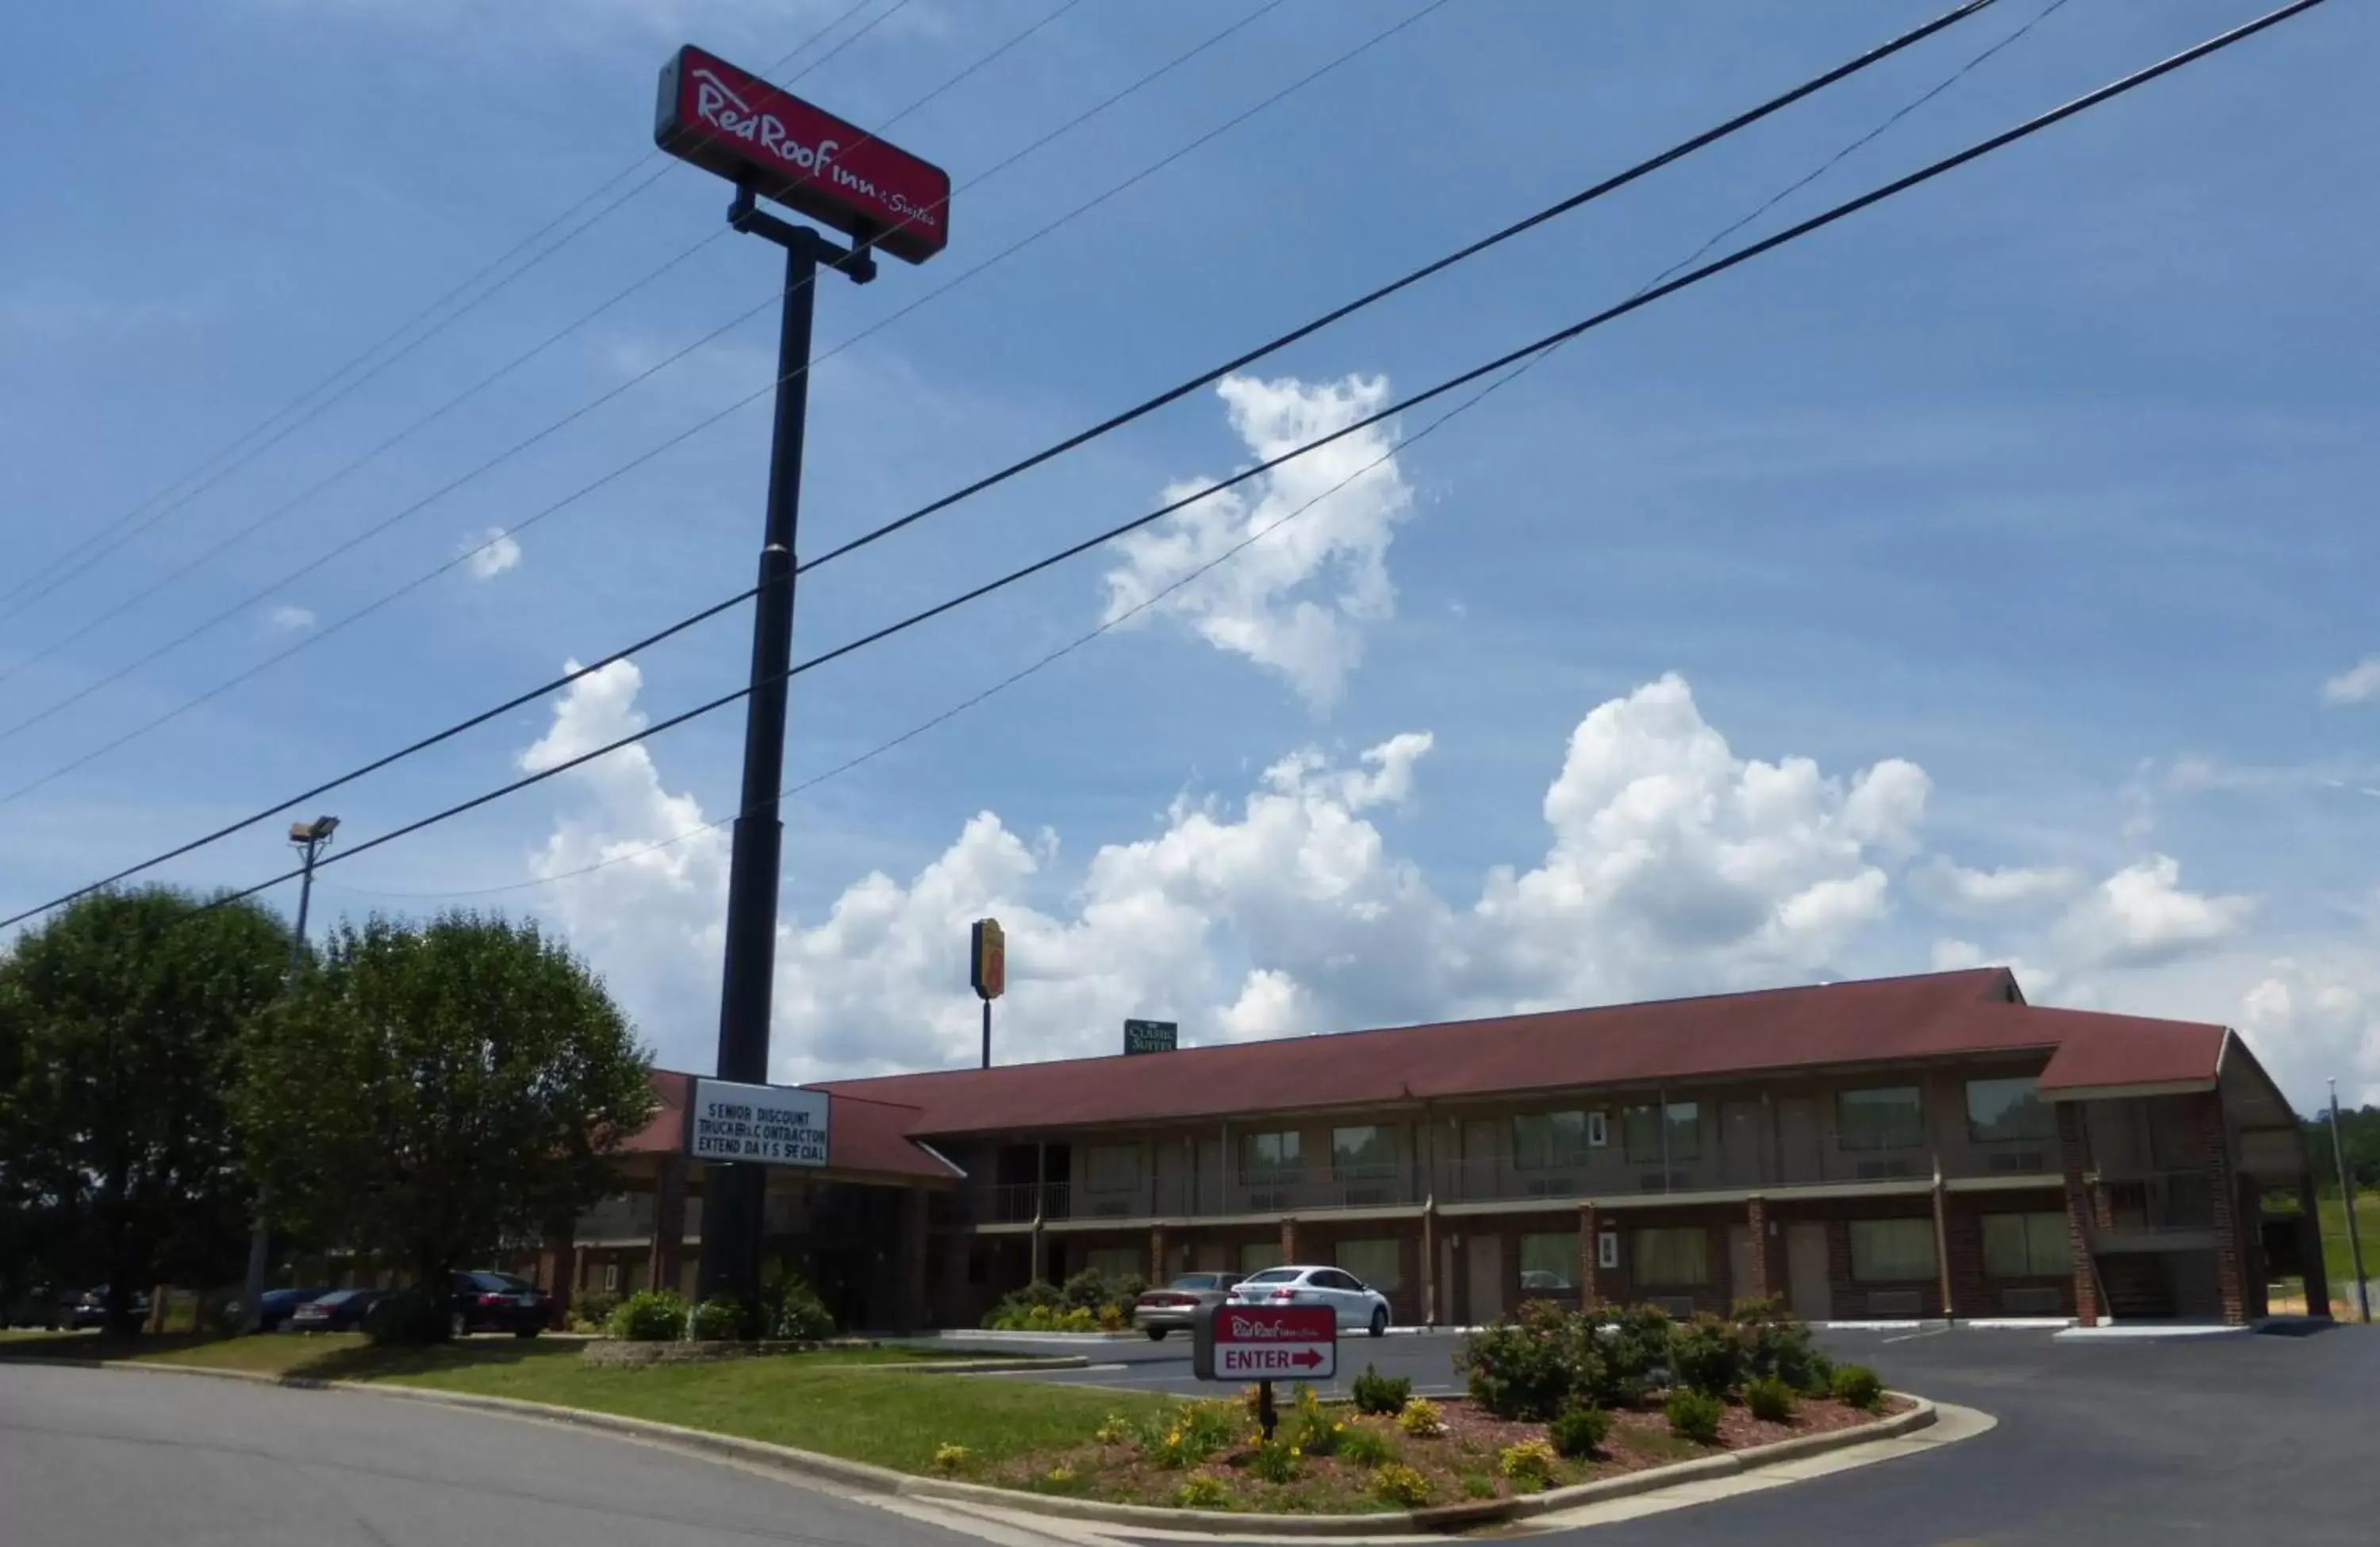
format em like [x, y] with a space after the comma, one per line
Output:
[864, 1478]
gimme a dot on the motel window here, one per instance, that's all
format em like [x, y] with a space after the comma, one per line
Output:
[1257, 1256]
[1115, 1261]
[1885, 1117]
[1668, 1258]
[1548, 1263]
[1641, 1128]
[1271, 1157]
[1892, 1251]
[1545, 1140]
[2025, 1245]
[2008, 1109]
[1112, 1167]
[1380, 1264]
[1364, 1154]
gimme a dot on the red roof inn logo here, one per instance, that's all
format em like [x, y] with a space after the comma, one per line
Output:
[1267, 1343]
[728, 121]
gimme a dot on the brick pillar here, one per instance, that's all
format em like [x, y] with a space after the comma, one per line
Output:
[1159, 1271]
[669, 1223]
[558, 1270]
[2231, 1255]
[2318, 1272]
[2073, 1160]
[1289, 1239]
[2255, 1276]
[1589, 1296]
[1755, 1217]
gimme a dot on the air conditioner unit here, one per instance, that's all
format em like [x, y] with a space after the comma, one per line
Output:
[1895, 1302]
[1882, 1170]
[1551, 1187]
[2032, 1302]
[2022, 1163]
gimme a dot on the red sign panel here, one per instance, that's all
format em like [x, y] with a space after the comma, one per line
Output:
[988, 972]
[1276, 1343]
[734, 123]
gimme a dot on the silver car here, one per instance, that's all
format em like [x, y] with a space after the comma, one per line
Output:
[1356, 1303]
[1174, 1307]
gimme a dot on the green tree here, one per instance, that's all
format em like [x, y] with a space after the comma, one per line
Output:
[121, 1019]
[434, 1093]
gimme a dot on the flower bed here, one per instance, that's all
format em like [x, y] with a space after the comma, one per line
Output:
[1374, 1464]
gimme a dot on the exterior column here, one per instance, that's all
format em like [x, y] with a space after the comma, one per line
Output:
[2318, 1272]
[1289, 1239]
[558, 1266]
[1942, 1243]
[669, 1223]
[2073, 1160]
[909, 1264]
[1588, 1229]
[2230, 1276]
[1429, 1262]
[1158, 1271]
[1756, 1218]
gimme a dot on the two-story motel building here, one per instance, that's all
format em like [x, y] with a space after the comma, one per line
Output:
[1909, 1147]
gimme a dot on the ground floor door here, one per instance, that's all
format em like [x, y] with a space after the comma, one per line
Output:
[1738, 1261]
[1805, 1273]
[1484, 1258]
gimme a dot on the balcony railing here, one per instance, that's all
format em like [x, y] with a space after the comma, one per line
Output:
[2162, 1203]
[1175, 1198]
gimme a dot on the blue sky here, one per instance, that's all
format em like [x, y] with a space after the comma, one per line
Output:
[2028, 512]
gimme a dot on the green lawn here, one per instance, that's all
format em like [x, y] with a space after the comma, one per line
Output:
[826, 1401]
[2334, 1238]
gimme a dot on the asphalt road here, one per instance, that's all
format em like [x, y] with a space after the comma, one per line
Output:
[116, 1456]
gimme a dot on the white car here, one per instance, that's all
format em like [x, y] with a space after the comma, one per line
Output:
[1356, 1304]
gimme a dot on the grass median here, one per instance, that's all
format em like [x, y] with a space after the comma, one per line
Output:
[830, 1401]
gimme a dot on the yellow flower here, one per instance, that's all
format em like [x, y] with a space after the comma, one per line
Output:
[1294, 1451]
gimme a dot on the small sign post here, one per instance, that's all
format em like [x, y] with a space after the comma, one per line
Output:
[1265, 1343]
[1151, 1036]
[987, 972]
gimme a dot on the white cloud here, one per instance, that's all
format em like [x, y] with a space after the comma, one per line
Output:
[2141, 917]
[489, 552]
[288, 619]
[2355, 684]
[1956, 889]
[1296, 600]
[1672, 865]
[2313, 1020]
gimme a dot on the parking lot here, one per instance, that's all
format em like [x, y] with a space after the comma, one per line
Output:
[2129, 1444]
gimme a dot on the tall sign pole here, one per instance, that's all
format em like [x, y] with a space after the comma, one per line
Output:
[772, 145]
[988, 972]
[2346, 1201]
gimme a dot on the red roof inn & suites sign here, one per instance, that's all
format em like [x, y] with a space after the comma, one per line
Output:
[731, 122]
[1267, 1343]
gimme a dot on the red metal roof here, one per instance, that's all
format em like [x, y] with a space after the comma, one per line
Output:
[1879, 1019]
[864, 1133]
[2102, 1052]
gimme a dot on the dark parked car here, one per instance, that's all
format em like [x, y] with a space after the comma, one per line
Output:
[339, 1311]
[90, 1309]
[1176, 1305]
[279, 1305]
[487, 1301]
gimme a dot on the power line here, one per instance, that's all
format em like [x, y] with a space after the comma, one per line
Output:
[1501, 363]
[318, 635]
[1597, 191]
[232, 538]
[42, 579]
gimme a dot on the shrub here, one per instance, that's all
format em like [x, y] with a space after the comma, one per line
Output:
[1531, 1368]
[1399, 1485]
[1192, 1432]
[1478, 1485]
[407, 1318]
[595, 1306]
[1317, 1433]
[1707, 1355]
[1010, 1311]
[1058, 1478]
[1381, 1395]
[717, 1320]
[1275, 1461]
[1365, 1447]
[1529, 1465]
[1632, 1349]
[1771, 1398]
[1113, 1430]
[649, 1316]
[1695, 1416]
[1205, 1491]
[952, 1458]
[1580, 1431]
[790, 1309]
[1777, 1343]
[1855, 1385]
[1420, 1418]
[1821, 1374]
[1090, 1289]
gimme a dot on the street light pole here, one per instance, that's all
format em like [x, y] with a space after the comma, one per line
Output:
[312, 838]
[2347, 1198]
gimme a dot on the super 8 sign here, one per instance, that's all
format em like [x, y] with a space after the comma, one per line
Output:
[1266, 1343]
[730, 121]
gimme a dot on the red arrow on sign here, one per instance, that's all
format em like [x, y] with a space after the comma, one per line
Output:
[1306, 1357]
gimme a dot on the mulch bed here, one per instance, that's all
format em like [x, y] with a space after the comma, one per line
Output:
[1461, 1464]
